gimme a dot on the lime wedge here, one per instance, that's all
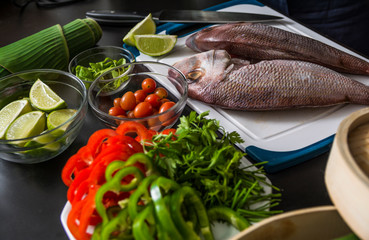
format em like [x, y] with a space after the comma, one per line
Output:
[155, 44]
[27, 125]
[10, 112]
[44, 98]
[146, 26]
[57, 118]
[43, 143]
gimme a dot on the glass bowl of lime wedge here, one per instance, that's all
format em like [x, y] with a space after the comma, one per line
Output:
[41, 114]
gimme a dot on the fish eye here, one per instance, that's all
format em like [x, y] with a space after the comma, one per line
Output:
[194, 75]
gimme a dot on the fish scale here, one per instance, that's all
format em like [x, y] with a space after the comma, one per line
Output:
[256, 41]
[217, 79]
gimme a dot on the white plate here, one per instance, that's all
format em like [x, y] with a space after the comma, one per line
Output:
[221, 231]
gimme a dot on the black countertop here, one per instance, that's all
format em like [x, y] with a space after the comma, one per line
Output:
[33, 196]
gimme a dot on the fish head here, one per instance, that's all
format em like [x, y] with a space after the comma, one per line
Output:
[204, 70]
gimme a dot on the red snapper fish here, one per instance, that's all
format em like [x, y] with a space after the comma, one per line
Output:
[255, 41]
[217, 79]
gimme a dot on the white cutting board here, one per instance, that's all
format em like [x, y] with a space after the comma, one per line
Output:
[292, 136]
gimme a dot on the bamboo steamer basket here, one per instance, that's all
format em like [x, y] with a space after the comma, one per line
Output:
[347, 172]
[323, 222]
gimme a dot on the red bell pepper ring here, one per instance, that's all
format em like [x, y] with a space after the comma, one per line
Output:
[77, 183]
[87, 211]
[97, 138]
[70, 167]
[129, 141]
[97, 174]
[134, 127]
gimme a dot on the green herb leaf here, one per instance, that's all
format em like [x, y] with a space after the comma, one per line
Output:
[204, 157]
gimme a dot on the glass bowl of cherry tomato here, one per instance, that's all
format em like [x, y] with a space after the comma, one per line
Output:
[154, 94]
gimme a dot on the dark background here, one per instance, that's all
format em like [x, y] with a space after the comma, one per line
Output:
[33, 196]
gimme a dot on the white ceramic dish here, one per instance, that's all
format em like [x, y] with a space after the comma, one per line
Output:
[347, 172]
[221, 231]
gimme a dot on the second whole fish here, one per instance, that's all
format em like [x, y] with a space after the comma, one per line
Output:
[217, 79]
[256, 41]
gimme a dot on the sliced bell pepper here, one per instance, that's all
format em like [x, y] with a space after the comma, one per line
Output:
[176, 204]
[143, 224]
[119, 227]
[134, 127]
[141, 192]
[228, 215]
[162, 212]
[115, 185]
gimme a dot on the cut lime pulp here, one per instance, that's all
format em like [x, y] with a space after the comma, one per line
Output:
[155, 44]
[146, 26]
[44, 98]
[57, 118]
[27, 125]
[12, 111]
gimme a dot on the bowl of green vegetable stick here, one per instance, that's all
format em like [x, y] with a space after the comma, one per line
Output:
[91, 63]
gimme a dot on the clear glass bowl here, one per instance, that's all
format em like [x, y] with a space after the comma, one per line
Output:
[101, 95]
[99, 54]
[68, 87]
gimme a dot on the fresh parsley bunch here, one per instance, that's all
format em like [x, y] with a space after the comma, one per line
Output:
[204, 156]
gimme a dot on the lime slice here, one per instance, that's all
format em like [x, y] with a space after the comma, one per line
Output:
[57, 118]
[155, 44]
[146, 26]
[27, 125]
[10, 112]
[44, 144]
[44, 98]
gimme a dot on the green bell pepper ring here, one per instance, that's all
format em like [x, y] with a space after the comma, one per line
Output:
[141, 191]
[115, 185]
[119, 226]
[228, 215]
[177, 200]
[161, 209]
[138, 157]
[141, 228]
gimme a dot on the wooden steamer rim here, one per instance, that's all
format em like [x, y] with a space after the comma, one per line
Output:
[347, 183]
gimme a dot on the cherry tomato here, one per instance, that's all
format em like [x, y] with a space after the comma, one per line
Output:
[115, 111]
[154, 123]
[131, 114]
[154, 100]
[143, 109]
[161, 92]
[164, 100]
[121, 116]
[165, 106]
[117, 102]
[140, 95]
[148, 85]
[128, 101]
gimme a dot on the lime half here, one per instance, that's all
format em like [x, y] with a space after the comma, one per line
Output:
[27, 125]
[10, 112]
[57, 118]
[155, 44]
[44, 98]
[146, 26]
